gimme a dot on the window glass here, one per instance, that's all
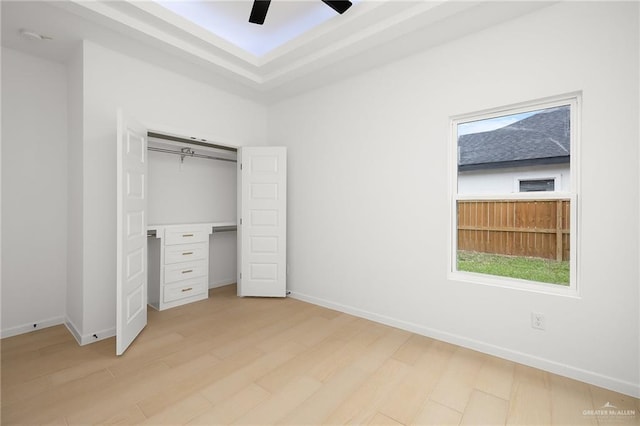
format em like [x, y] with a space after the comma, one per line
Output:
[537, 185]
[521, 232]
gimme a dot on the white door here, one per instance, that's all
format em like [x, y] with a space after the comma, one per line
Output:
[131, 281]
[262, 220]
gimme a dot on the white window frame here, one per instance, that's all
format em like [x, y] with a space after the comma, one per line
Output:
[574, 100]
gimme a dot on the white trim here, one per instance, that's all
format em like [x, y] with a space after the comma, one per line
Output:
[88, 338]
[29, 327]
[543, 195]
[513, 283]
[101, 335]
[574, 100]
[73, 330]
[586, 376]
[527, 106]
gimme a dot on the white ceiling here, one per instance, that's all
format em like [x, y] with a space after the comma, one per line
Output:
[303, 44]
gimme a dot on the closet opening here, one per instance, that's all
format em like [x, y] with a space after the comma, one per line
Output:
[194, 215]
[191, 218]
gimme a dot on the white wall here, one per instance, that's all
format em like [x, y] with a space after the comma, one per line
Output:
[223, 258]
[161, 100]
[505, 181]
[34, 192]
[197, 190]
[75, 217]
[369, 229]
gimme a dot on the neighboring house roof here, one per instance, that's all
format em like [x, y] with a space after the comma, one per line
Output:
[542, 138]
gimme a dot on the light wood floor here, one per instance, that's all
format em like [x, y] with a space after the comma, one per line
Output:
[228, 360]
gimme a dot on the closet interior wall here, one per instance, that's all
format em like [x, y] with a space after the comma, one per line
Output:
[195, 190]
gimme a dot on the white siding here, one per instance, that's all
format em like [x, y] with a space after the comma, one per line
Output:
[505, 181]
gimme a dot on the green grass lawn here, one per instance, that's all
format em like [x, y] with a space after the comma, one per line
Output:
[526, 268]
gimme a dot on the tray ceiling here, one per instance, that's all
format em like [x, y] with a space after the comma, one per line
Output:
[303, 44]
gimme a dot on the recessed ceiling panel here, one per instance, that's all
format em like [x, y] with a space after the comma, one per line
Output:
[302, 45]
[286, 20]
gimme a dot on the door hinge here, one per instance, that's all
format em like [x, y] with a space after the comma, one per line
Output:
[240, 221]
[240, 166]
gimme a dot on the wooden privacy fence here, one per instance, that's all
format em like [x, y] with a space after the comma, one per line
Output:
[534, 228]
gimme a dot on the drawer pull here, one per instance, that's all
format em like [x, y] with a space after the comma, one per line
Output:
[187, 271]
[187, 235]
[187, 253]
[186, 289]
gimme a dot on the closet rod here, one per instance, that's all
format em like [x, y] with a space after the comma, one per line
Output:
[190, 141]
[189, 154]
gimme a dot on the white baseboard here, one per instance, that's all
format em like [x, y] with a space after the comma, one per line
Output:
[81, 339]
[73, 330]
[222, 283]
[85, 339]
[597, 379]
[96, 337]
[33, 326]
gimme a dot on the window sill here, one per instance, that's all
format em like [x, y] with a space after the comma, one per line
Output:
[514, 284]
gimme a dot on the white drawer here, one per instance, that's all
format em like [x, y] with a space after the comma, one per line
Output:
[185, 235]
[185, 253]
[185, 271]
[185, 289]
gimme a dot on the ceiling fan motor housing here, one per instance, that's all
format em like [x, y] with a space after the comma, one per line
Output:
[260, 8]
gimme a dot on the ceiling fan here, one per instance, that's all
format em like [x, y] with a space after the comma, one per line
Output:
[260, 7]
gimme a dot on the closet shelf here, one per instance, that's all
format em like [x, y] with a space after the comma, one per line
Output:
[157, 230]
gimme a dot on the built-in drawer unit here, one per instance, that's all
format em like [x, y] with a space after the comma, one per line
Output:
[185, 253]
[185, 235]
[183, 265]
[185, 290]
[185, 271]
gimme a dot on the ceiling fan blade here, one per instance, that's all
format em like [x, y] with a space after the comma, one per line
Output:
[259, 11]
[338, 6]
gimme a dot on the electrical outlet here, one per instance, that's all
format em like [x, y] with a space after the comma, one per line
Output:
[537, 320]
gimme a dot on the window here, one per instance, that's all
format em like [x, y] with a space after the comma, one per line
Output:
[520, 235]
[537, 185]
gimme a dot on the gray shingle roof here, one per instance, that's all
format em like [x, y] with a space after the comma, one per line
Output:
[542, 138]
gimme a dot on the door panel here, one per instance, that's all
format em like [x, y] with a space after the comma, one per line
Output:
[262, 239]
[131, 281]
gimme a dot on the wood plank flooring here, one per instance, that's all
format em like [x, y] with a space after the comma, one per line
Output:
[251, 361]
